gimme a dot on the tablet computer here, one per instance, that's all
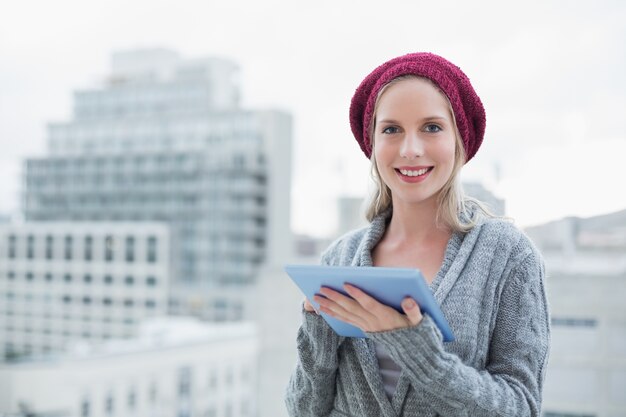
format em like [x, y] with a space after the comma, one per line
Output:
[387, 285]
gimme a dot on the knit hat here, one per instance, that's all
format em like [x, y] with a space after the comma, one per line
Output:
[468, 109]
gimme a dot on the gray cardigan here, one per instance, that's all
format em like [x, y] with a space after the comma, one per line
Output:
[490, 288]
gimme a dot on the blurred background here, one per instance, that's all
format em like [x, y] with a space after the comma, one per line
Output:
[161, 161]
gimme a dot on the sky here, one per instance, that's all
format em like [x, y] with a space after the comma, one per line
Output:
[550, 74]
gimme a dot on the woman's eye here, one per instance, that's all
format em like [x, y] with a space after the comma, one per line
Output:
[390, 130]
[433, 128]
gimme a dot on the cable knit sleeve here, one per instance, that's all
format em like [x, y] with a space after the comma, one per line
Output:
[511, 384]
[311, 388]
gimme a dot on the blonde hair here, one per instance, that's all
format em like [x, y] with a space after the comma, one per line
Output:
[451, 199]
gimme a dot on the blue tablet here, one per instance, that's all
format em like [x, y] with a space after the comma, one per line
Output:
[387, 285]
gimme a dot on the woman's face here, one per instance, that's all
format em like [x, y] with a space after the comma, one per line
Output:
[414, 141]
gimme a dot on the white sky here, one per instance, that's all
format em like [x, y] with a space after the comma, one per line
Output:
[549, 73]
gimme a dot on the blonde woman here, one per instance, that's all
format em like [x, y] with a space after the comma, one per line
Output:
[419, 120]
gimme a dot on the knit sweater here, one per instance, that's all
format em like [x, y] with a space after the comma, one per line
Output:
[491, 290]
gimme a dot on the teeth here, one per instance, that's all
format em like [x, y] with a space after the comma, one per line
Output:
[413, 173]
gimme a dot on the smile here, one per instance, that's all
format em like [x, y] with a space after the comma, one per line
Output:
[413, 175]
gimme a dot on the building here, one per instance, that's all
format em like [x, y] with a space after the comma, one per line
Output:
[586, 279]
[174, 367]
[65, 281]
[478, 191]
[164, 139]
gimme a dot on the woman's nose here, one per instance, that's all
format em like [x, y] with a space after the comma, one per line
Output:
[412, 146]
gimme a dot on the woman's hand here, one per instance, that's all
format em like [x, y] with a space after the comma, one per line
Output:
[308, 306]
[365, 312]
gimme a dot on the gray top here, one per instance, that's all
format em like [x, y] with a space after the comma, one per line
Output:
[490, 288]
[389, 370]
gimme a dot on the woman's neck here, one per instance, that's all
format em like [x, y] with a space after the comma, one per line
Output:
[415, 223]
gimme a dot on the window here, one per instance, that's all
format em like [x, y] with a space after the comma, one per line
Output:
[152, 250]
[132, 399]
[48, 277]
[108, 248]
[129, 280]
[109, 405]
[67, 278]
[86, 300]
[30, 247]
[12, 246]
[88, 248]
[128, 302]
[151, 281]
[130, 249]
[87, 279]
[67, 299]
[107, 301]
[574, 322]
[184, 381]
[84, 408]
[11, 275]
[108, 279]
[150, 304]
[29, 276]
[49, 246]
[68, 247]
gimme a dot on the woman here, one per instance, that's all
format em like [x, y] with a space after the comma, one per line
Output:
[419, 120]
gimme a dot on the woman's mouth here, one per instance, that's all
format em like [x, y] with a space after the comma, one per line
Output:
[413, 174]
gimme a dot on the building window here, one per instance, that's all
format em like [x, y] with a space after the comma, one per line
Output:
[67, 299]
[152, 394]
[151, 281]
[130, 281]
[30, 247]
[49, 246]
[184, 381]
[88, 248]
[86, 300]
[128, 302]
[67, 278]
[108, 279]
[48, 277]
[109, 405]
[12, 246]
[29, 276]
[11, 275]
[87, 279]
[107, 301]
[152, 250]
[574, 322]
[68, 247]
[108, 248]
[84, 408]
[130, 249]
[150, 304]
[132, 399]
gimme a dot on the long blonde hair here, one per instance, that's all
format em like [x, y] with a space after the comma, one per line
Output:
[451, 200]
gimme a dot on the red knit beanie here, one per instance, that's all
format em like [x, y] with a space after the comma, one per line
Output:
[468, 109]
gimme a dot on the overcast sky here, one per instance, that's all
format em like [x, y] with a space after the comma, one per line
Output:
[549, 73]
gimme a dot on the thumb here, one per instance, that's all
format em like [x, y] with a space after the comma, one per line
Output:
[412, 311]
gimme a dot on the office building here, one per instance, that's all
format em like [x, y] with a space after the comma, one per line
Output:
[165, 139]
[60, 282]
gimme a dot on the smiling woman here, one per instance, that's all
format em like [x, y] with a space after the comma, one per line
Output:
[419, 120]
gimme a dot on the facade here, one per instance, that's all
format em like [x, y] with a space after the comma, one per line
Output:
[165, 140]
[174, 367]
[65, 281]
[586, 279]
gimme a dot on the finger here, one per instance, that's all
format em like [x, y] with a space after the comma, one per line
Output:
[309, 307]
[334, 309]
[345, 302]
[412, 311]
[367, 302]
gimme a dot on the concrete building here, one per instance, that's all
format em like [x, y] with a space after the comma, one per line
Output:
[478, 191]
[586, 279]
[174, 367]
[65, 281]
[164, 139]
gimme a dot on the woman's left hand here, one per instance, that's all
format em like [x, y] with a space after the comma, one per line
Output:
[365, 312]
